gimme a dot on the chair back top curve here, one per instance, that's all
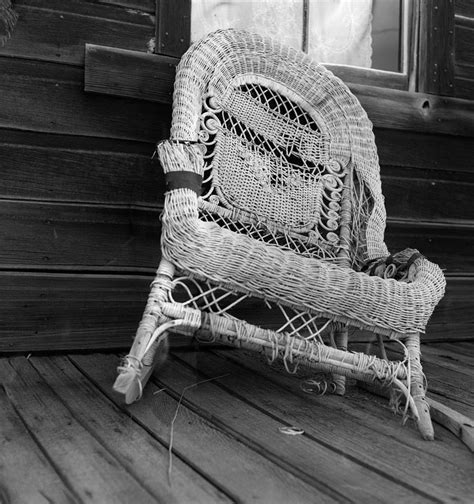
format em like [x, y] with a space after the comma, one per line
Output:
[288, 152]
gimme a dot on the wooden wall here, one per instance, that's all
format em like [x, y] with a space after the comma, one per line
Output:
[464, 49]
[80, 195]
[79, 192]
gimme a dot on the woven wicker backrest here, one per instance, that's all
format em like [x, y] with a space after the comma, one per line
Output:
[289, 155]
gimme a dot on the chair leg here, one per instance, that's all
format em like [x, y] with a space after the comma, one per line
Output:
[417, 388]
[151, 340]
[340, 340]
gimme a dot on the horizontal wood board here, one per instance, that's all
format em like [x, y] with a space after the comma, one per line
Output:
[54, 30]
[388, 108]
[49, 98]
[82, 444]
[50, 311]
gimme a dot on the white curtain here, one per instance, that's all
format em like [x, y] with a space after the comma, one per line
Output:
[339, 30]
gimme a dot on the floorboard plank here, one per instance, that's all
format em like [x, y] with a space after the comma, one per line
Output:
[136, 449]
[367, 409]
[417, 470]
[26, 474]
[310, 459]
[93, 474]
[463, 349]
[445, 379]
[243, 473]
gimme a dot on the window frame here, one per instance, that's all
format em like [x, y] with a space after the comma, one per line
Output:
[427, 46]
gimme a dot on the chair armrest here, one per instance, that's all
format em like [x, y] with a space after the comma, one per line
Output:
[400, 266]
[412, 267]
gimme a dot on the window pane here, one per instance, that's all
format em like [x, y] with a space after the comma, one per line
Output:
[363, 33]
[280, 19]
[386, 35]
[340, 32]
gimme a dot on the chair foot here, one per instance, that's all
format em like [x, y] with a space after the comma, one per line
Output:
[134, 373]
[424, 424]
[417, 388]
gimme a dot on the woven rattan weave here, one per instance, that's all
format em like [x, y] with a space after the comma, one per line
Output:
[274, 196]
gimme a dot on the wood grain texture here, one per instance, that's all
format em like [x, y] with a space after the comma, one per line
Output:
[64, 311]
[99, 445]
[58, 311]
[403, 110]
[120, 238]
[465, 87]
[114, 238]
[308, 455]
[374, 412]
[49, 98]
[92, 472]
[359, 75]
[447, 244]
[129, 73]
[433, 151]
[389, 456]
[140, 5]
[425, 197]
[27, 474]
[203, 443]
[56, 169]
[53, 30]
[173, 26]
[465, 44]
[436, 46]
[387, 108]
[140, 454]
[464, 8]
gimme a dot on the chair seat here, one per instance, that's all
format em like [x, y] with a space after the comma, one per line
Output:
[242, 264]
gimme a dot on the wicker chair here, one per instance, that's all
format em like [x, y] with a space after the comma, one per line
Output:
[274, 194]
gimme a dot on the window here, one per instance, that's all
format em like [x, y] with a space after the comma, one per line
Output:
[409, 44]
[359, 33]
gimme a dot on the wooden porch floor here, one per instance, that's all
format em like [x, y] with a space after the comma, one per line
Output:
[65, 437]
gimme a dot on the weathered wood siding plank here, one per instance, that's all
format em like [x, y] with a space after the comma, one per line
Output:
[387, 108]
[465, 87]
[128, 73]
[79, 165]
[140, 5]
[44, 234]
[435, 151]
[51, 99]
[465, 42]
[59, 311]
[78, 169]
[77, 310]
[115, 238]
[54, 30]
[464, 8]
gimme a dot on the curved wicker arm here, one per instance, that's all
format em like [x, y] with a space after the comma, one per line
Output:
[412, 267]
